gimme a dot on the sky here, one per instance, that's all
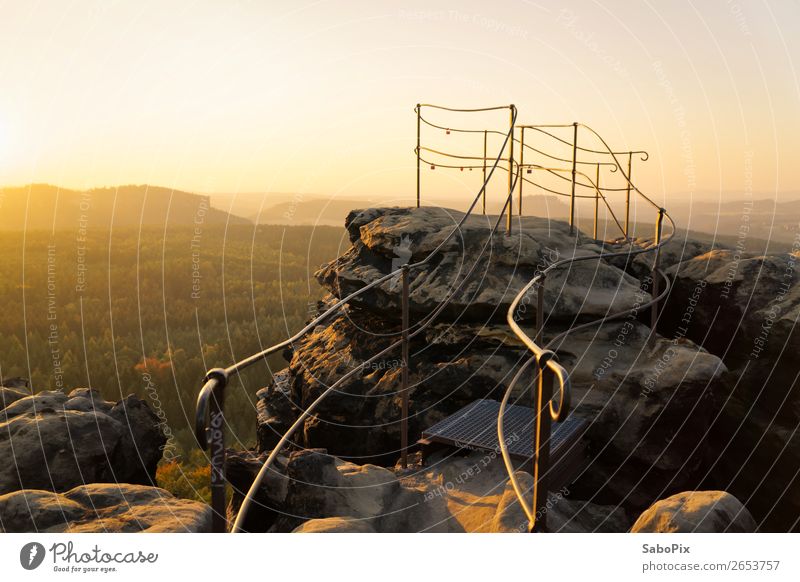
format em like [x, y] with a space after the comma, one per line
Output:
[250, 96]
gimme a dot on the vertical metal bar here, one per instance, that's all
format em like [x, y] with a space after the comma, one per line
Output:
[628, 199]
[596, 200]
[404, 374]
[419, 114]
[521, 164]
[484, 171]
[219, 523]
[655, 287]
[510, 172]
[541, 463]
[574, 168]
[539, 310]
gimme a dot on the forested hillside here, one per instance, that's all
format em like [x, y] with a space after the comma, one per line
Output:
[47, 207]
[148, 311]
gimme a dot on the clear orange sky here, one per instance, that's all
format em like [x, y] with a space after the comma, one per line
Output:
[318, 96]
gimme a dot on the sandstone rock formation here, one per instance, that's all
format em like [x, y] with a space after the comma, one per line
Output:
[744, 308]
[56, 441]
[696, 512]
[451, 493]
[648, 407]
[385, 238]
[102, 508]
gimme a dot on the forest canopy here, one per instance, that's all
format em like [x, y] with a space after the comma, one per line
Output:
[147, 311]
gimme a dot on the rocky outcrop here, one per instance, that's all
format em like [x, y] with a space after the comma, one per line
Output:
[744, 308]
[451, 367]
[383, 239]
[451, 493]
[562, 514]
[648, 409]
[58, 441]
[102, 508]
[696, 512]
[680, 248]
[648, 406]
[334, 525]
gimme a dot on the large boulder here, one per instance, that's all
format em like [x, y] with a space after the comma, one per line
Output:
[744, 308]
[323, 486]
[562, 514]
[241, 469]
[386, 238]
[648, 407]
[57, 441]
[451, 366]
[680, 248]
[696, 512]
[102, 508]
[450, 493]
[334, 525]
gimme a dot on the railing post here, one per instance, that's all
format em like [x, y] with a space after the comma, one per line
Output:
[596, 200]
[628, 200]
[574, 170]
[655, 287]
[484, 171]
[510, 201]
[219, 523]
[521, 164]
[419, 115]
[540, 309]
[541, 463]
[404, 374]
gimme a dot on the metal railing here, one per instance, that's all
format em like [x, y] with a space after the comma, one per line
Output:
[545, 359]
[209, 421]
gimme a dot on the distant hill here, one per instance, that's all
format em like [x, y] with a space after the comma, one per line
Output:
[318, 212]
[44, 207]
[747, 220]
[331, 212]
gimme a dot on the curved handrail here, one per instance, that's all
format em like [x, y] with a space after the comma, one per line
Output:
[544, 352]
[644, 155]
[211, 384]
[530, 511]
[209, 401]
[519, 141]
[248, 500]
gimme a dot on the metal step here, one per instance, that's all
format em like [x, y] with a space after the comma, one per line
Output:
[474, 427]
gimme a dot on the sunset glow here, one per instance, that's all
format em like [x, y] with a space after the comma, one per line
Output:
[318, 96]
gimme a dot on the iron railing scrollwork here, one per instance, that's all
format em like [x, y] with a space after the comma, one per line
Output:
[209, 421]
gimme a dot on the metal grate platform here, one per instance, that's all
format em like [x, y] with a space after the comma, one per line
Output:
[475, 427]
